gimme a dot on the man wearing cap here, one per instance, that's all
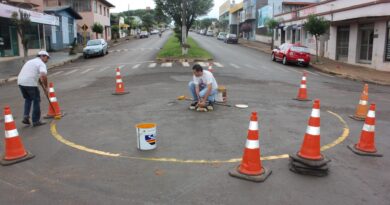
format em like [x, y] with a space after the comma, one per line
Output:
[203, 88]
[33, 71]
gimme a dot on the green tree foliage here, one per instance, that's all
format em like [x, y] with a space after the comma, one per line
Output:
[206, 23]
[195, 8]
[115, 31]
[271, 24]
[316, 26]
[22, 23]
[97, 28]
[147, 21]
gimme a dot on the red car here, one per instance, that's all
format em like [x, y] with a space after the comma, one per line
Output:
[292, 53]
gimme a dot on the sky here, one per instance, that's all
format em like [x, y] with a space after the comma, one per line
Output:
[122, 5]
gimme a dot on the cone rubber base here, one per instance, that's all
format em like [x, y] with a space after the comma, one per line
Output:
[362, 153]
[301, 99]
[54, 116]
[357, 118]
[299, 165]
[10, 162]
[254, 178]
[305, 171]
[310, 162]
[122, 93]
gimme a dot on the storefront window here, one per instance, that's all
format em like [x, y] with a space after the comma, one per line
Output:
[35, 36]
[387, 53]
[8, 39]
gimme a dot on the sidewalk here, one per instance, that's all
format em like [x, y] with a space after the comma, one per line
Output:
[10, 69]
[334, 67]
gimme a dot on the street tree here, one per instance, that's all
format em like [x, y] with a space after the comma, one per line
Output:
[272, 24]
[316, 26]
[22, 23]
[194, 9]
[97, 28]
[115, 32]
[147, 21]
[206, 23]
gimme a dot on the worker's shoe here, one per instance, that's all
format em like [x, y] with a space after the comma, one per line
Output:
[39, 123]
[193, 105]
[210, 106]
[26, 120]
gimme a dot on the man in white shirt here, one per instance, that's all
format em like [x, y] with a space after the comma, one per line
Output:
[33, 71]
[203, 88]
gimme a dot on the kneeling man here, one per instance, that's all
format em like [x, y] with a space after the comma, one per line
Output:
[203, 88]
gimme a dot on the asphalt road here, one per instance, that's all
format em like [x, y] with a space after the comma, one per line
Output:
[90, 156]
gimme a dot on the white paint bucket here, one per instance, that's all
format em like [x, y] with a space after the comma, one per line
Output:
[221, 95]
[146, 136]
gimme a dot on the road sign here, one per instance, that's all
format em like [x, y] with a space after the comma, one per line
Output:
[84, 27]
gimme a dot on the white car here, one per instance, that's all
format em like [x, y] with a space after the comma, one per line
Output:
[155, 31]
[210, 33]
[144, 34]
[221, 36]
[97, 47]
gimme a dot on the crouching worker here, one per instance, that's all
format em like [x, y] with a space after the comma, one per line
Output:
[203, 88]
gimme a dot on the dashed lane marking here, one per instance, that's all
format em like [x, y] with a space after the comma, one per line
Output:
[53, 129]
[234, 65]
[152, 65]
[86, 71]
[103, 69]
[311, 72]
[185, 64]
[135, 66]
[203, 64]
[218, 64]
[57, 73]
[72, 71]
[166, 64]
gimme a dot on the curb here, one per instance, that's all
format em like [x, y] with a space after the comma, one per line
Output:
[15, 78]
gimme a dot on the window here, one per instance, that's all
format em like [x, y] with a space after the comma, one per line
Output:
[298, 35]
[100, 9]
[276, 34]
[95, 6]
[387, 53]
[104, 10]
[288, 34]
[108, 12]
[35, 35]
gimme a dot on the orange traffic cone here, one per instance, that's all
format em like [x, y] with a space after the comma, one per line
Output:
[362, 107]
[120, 87]
[366, 145]
[54, 106]
[251, 167]
[310, 152]
[14, 149]
[302, 93]
[211, 67]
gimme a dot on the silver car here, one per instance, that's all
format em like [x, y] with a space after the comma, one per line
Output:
[97, 47]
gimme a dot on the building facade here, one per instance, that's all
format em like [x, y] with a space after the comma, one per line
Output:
[359, 31]
[62, 36]
[10, 41]
[236, 18]
[91, 11]
[224, 16]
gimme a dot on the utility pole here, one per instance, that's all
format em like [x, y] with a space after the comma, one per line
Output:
[184, 28]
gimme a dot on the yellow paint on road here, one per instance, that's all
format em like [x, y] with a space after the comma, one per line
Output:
[54, 132]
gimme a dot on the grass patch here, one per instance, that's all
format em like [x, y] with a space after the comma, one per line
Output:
[172, 49]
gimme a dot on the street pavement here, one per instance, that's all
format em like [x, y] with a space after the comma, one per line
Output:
[90, 155]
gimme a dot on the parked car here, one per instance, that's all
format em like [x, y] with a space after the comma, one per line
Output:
[231, 38]
[154, 31]
[210, 33]
[202, 32]
[144, 34]
[97, 47]
[221, 36]
[291, 53]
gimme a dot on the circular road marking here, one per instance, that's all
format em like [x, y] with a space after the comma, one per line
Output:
[56, 135]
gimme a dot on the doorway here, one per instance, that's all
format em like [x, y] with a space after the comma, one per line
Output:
[342, 43]
[366, 41]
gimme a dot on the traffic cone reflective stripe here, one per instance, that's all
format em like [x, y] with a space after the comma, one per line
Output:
[310, 148]
[14, 148]
[251, 163]
[54, 103]
[302, 92]
[367, 137]
[362, 107]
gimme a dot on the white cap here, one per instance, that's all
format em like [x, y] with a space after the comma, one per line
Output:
[43, 53]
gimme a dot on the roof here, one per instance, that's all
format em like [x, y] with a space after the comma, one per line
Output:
[107, 3]
[63, 8]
